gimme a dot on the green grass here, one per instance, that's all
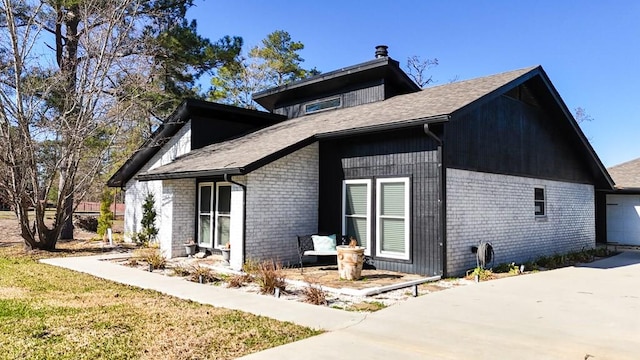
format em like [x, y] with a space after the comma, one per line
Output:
[52, 313]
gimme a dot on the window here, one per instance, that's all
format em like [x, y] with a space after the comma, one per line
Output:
[390, 227]
[539, 201]
[356, 208]
[205, 213]
[223, 214]
[392, 218]
[322, 105]
[214, 214]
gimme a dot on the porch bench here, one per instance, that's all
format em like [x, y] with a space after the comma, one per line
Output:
[306, 248]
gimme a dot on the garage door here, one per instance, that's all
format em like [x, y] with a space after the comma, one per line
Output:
[623, 219]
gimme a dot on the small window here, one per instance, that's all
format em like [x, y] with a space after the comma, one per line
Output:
[539, 201]
[322, 105]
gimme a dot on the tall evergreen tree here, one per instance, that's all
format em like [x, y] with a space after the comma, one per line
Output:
[273, 63]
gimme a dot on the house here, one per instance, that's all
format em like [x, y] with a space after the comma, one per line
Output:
[419, 177]
[622, 205]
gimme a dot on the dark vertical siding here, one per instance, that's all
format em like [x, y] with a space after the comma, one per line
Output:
[348, 97]
[407, 153]
[507, 136]
[210, 131]
[601, 217]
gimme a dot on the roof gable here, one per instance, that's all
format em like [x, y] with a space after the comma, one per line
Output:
[174, 122]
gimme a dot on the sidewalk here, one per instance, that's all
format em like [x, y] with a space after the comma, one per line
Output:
[570, 313]
[316, 317]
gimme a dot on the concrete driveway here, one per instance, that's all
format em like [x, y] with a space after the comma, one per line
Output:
[592, 311]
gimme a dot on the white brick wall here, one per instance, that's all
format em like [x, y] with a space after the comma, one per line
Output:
[136, 191]
[177, 225]
[282, 202]
[500, 209]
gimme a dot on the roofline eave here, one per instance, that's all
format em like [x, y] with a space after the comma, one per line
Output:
[190, 174]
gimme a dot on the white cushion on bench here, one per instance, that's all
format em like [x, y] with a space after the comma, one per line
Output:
[320, 253]
[324, 243]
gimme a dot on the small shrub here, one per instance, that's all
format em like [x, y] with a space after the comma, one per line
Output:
[208, 276]
[88, 223]
[483, 274]
[240, 280]
[251, 266]
[148, 222]
[313, 294]
[153, 256]
[269, 276]
[510, 268]
[180, 270]
[105, 220]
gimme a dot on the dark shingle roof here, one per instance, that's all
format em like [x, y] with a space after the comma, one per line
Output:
[626, 175]
[237, 155]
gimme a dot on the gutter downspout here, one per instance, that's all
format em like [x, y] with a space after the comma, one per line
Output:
[228, 178]
[442, 202]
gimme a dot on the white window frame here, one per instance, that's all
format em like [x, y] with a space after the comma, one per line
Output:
[210, 213]
[544, 201]
[407, 219]
[217, 215]
[367, 182]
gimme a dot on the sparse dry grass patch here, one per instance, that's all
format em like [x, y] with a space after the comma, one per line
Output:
[53, 313]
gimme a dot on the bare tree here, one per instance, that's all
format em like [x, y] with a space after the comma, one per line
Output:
[60, 65]
[581, 115]
[417, 70]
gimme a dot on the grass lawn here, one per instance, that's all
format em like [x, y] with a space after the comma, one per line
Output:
[52, 313]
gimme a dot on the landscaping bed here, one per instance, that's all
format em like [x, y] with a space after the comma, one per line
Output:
[291, 285]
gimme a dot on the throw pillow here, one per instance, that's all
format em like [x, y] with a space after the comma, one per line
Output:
[324, 243]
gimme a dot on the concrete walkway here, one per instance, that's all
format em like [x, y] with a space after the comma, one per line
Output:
[316, 317]
[572, 313]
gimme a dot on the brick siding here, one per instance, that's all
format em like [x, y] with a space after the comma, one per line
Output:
[500, 209]
[178, 216]
[282, 202]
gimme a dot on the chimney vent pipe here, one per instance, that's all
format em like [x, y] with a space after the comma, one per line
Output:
[381, 51]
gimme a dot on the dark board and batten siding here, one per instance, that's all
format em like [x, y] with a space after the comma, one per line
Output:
[507, 136]
[210, 131]
[407, 153]
[372, 93]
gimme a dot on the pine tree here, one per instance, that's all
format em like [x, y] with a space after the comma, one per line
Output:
[148, 222]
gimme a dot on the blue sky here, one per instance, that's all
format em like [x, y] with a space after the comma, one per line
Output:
[590, 49]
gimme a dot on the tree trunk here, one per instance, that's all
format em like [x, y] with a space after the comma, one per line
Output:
[67, 226]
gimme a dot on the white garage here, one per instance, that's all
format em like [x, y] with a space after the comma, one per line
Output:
[623, 207]
[623, 219]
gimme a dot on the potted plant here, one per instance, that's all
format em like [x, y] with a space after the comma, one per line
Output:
[190, 248]
[226, 252]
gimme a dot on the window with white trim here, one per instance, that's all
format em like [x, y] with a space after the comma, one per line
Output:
[223, 214]
[214, 214]
[392, 218]
[205, 213]
[356, 211]
[539, 201]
